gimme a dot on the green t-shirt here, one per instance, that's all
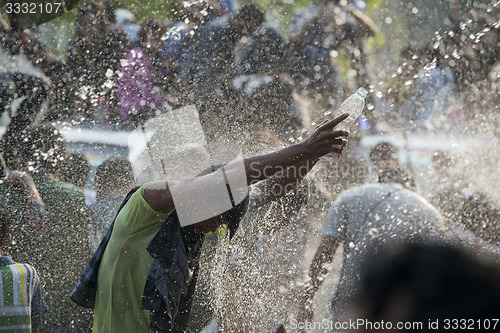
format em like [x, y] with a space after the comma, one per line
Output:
[124, 268]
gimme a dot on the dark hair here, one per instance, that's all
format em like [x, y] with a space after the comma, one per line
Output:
[251, 15]
[44, 148]
[434, 282]
[94, 7]
[114, 174]
[480, 215]
[5, 223]
[75, 170]
[235, 214]
[384, 151]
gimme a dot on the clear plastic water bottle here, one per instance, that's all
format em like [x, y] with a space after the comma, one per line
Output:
[354, 105]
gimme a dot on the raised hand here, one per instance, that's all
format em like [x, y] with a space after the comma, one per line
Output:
[325, 139]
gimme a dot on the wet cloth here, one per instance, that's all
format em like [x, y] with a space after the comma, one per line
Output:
[85, 290]
[103, 212]
[136, 84]
[175, 255]
[365, 217]
[21, 302]
[169, 288]
[120, 286]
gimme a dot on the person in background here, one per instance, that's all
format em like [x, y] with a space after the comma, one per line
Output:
[481, 215]
[384, 157]
[139, 73]
[210, 67]
[28, 216]
[145, 269]
[447, 191]
[66, 247]
[3, 167]
[113, 179]
[177, 45]
[208, 72]
[21, 301]
[262, 90]
[93, 58]
[429, 285]
[75, 170]
[317, 35]
[117, 31]
[363, 219]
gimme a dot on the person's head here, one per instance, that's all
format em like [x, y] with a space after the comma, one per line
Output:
[75, 170]
[5, 225]
[44, 149]
[92, 21]
[247, 19]
[149, 38]
[480, 215]
[114, 176]
[384, 156]
[424, 283]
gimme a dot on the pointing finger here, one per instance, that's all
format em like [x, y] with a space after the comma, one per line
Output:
[334, 122]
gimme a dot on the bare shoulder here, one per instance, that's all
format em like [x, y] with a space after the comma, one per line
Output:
[158, 196]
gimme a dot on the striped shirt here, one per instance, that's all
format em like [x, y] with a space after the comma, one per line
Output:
[20, 297]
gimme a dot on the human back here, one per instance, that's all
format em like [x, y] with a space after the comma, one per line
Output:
[370, 216]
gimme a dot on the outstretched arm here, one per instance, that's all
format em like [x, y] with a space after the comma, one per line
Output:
[322, 141]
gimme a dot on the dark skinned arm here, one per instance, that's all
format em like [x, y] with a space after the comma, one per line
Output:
[322, 141]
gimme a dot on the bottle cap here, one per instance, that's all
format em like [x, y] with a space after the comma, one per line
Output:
[362, 92]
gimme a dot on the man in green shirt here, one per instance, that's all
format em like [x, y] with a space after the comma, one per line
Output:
[123, 271]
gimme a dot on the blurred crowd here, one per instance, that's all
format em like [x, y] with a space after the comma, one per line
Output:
[254, 86]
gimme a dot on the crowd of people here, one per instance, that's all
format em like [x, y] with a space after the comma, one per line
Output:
[229, 245]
